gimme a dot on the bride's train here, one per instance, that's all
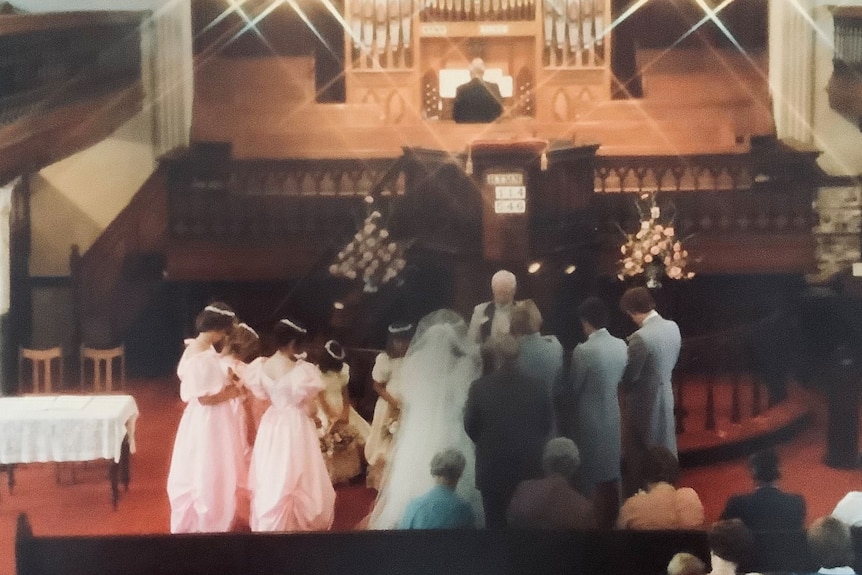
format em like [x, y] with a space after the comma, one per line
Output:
[438, 369]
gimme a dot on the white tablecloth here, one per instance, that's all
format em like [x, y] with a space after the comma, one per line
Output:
[42, 428]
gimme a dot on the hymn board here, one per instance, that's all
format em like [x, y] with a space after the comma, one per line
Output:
[551, 58]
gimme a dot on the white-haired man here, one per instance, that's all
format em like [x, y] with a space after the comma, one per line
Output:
[477, 101]
[494, 318]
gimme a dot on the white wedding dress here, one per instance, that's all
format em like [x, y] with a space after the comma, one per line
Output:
[438, 369]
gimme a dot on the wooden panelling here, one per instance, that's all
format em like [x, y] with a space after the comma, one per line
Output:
[211, 261]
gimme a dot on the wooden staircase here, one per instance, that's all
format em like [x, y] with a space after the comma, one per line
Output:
[113, 280]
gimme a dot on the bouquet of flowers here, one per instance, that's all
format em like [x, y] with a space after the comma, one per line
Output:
[340, 437]
[654, 247]
[370, 256]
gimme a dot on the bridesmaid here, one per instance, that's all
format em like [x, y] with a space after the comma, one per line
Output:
[291, 490]
[387, 384]
[208, 464]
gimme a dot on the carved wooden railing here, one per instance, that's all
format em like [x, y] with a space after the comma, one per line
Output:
[111, 280]
[760, 202]
[674, 173]
[276, 201]
[720, 204]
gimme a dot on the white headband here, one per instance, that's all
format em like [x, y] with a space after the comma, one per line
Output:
[248, 327]
[219, 311]
[289, 323]
[328, 347]
[400, 328]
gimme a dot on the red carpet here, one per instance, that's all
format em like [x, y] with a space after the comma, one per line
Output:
[85, 508]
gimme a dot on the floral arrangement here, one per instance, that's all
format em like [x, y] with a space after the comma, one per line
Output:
[370, 256]
[654, 248]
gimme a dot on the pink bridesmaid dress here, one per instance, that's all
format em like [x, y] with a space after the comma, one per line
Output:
[291, 489]
[208, 466]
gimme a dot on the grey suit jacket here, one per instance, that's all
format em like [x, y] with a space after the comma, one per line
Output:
[541, 356]
[652, 354]
[597, 368]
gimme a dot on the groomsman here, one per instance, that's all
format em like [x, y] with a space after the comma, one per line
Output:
[508, 417]
[541, 356]
[597, 368]
[646, 385]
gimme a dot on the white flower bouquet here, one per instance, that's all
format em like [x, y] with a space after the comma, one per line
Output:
[371, 256]
[655, 247]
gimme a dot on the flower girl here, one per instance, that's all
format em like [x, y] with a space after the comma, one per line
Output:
[344, 429]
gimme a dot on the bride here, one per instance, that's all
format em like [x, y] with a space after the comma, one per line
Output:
[438, 369]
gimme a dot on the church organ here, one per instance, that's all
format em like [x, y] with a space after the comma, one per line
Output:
[395, 50]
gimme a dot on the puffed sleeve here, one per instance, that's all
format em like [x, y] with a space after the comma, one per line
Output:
[382, 371]
[308, 382]
[200, 374]
[252, 377]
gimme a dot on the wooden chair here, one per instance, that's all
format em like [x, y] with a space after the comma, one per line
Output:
[42, 378]
[102, 361]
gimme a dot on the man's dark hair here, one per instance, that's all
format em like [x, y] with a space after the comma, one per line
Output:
[637, 300]
[731, 540]
[764, 466]
[594, 311]
[660, 465]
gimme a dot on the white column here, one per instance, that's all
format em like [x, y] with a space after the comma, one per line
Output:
[791, 68]
[5, 211]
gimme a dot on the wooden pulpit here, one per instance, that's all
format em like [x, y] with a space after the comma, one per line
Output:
[502, 171]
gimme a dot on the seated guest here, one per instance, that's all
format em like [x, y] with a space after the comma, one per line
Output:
[831, 546]
[660, 505]
[441, 508]
[730, 546]
[767, 508]
[686, 564]
[552, 502]
[849, 509]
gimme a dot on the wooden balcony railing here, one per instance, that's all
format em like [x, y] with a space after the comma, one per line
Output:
[265, 202]
[720, 204]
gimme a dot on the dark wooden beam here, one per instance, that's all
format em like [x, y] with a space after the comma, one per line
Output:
[39, 140]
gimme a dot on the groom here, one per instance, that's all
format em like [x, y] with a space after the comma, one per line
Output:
[508, 416]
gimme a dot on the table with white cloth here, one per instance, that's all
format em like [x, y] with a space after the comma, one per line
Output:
[69, 428]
